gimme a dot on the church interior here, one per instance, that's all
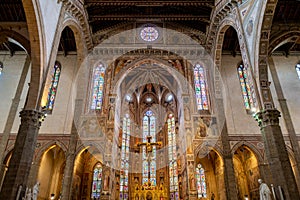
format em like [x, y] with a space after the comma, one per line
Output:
[149, 100]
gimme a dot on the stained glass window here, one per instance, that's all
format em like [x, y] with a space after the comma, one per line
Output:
[149, 34]
[97, 181]
[53, 87]
[149, 164]
[173, 171]
[1, 67]
[201, 184]
[298, 70]
[98, 86]
[200, 87]
[246, 91]
[125, 158]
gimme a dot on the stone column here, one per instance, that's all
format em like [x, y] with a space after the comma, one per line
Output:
[229, 176]
[22, 156]
[286, 117]
[265, 173]
[276, 153]
[12, 115]
[68, 171]
[32, 177]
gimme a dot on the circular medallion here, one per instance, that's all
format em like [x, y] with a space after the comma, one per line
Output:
[149, 34]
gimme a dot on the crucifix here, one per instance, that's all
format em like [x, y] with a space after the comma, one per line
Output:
[149, 148]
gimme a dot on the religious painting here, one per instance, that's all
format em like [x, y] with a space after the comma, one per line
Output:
[201, 125]
[90, 128]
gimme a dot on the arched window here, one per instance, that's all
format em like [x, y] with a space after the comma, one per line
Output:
[200, 87]
[97, 181]
[53, 87]
[173, 171]
[98, 87]
[1, 67]
[201, 184]
[149, 166]
[298, 70]
[246, 91]
[125, 158]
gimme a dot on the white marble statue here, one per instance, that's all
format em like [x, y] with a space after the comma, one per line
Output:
[28, 195]
[35, 191]
[264, 191]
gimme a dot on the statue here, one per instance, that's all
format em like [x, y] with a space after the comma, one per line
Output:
[111, 113]
[192, 182]
[28, 195]
[35, 191]
[106, 181]
[178, 66]
[202, 128]
[264, 191]
[212, 196]
[187, 116]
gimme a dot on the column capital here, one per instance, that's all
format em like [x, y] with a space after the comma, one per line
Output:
[267, 117]
[32, 117]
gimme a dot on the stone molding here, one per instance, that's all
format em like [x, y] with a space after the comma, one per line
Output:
[76, 9]
[222, 10]
[32, 117]
[268, 117]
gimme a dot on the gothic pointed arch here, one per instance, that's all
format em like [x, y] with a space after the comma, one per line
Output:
[209, 174]
[35, 31]
[246, 167]
[50, 171]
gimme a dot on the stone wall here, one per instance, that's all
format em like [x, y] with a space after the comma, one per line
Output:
[238, 120]
[9, 80]
[60, 121]
[290, 84]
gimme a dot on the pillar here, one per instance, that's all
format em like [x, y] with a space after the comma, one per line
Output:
[229, 175]
[11, 117]
[32, 177]
[286, 117]
[22, 156]
[276, 153]
[68, 171]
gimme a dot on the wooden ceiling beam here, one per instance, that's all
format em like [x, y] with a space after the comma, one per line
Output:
[9, 48]
[208, 3]
[150, 17]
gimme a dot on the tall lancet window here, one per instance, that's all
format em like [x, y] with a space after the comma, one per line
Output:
[173, 171]
[97, 181]
[298, 70]
[98, 87]
[53, 87]
[246, 91]
[125, 158]
[149, 160]
[200, 87]
[201, 184]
